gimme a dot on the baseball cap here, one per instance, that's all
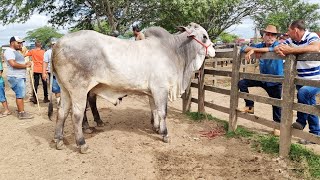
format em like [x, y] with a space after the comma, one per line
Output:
[16, 38]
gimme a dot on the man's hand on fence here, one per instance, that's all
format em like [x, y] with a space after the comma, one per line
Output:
[283, 49]
[248, 55]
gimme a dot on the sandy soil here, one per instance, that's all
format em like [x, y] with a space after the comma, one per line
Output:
[127, 148]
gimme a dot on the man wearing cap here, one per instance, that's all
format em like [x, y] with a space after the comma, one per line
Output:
[303, 41]
[46, 71]
[16, 74]
[266, 66]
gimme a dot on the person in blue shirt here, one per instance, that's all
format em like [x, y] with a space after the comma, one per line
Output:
[3, 99]
[266, 66]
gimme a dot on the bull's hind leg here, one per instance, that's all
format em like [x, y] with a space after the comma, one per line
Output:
[78, 107]
[161, 99]
[154, 115]
[63, 111]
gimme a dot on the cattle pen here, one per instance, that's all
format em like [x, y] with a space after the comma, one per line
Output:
[287, 103]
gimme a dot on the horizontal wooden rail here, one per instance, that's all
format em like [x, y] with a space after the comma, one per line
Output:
[213, 106]
[306, 82]
[261, 99]
[261, 77]
[305, 135]
[259, 120]
[306, 108]
[218, 72]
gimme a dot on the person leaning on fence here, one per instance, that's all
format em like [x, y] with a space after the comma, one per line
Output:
[16, 74]
[266, 66]
[303, 41]
[46, 71]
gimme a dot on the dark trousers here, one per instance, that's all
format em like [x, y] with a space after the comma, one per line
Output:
[273, 91]
[36, 77]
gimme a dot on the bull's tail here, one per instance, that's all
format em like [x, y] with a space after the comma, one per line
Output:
[50, 106]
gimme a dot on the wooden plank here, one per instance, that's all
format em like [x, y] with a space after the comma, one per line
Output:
[306, 135]
[311, 56]
[195, 85]
[259, 120]
[306, 82]
[267, 55]
[201, 92]
[261, 77]
[212, 106]
[234, 90]
[186, 100]
[217, 107]
[288, 88]
[261, 99]
[218, 72]
[307, 108]
[217, 90]
[224, 53]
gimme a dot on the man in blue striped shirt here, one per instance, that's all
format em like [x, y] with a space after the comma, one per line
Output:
[266, 66]
[303, 41]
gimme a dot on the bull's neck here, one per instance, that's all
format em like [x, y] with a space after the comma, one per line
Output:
[186, 49]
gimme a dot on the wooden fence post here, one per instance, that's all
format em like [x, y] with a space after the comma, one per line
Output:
[186, 99]
[214, 65]
[201, 89]
[234, 97]
[288, 89]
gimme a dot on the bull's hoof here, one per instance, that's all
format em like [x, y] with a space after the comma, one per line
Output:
[60, 145]
[84, 149]
[88, 131]
[100, 124]
[166, 139]
[156, 130]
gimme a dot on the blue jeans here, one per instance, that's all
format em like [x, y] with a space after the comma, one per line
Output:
[273, 91]
[55, 86]
[2, 93]
[18, 85]
[307, 95]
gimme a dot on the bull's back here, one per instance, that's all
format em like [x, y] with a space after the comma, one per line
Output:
[92, 56]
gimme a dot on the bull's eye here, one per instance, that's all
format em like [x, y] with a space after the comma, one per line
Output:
[205, 37]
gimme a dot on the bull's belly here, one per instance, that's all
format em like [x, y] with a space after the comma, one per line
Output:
[114, 93]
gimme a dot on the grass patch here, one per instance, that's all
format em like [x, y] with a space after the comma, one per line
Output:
[198, 117]
[240, 132]
[306, 161]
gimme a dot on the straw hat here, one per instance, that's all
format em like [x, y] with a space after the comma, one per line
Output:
[270, 29]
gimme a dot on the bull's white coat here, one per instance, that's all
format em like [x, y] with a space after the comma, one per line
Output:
[159, 66]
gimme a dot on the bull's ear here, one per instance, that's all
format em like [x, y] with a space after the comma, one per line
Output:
[181, 28]
[192, 34]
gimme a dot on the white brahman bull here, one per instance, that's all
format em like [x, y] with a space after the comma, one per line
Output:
[160, 67]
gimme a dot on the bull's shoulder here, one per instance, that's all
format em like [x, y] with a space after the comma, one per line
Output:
[158, 32]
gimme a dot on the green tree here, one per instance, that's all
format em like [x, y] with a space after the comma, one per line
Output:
[282, 12]
[43, 34]
[214, 15]
[227, 37]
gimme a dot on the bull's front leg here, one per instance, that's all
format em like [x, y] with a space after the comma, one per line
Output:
[160, 100]
[154, 115]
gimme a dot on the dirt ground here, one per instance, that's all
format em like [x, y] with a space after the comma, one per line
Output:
[127, 148]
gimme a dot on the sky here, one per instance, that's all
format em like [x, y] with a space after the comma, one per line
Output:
[244, 30]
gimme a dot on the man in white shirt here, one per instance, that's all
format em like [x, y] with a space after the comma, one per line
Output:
[16, 73]
[303, 41]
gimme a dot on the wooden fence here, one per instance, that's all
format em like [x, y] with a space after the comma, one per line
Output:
[289, 81]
